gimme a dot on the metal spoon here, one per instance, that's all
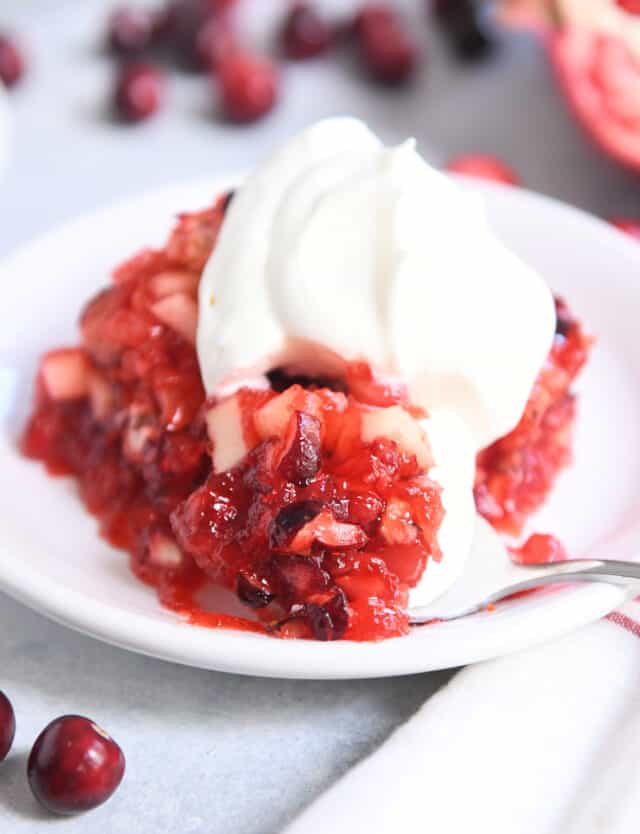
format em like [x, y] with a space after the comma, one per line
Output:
[491, 575]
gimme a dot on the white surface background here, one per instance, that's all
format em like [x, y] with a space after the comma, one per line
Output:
[210, 752]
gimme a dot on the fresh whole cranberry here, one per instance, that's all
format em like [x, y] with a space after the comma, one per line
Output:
[11, 61]
[74, 765]
[249, 86]
[140, 90]
[305, 33]
[7, 726]
[130, 31]
[630, 6]
[483, 167]
[628, 226]
[388, 51]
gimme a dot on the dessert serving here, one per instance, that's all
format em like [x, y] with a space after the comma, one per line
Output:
[310, 392]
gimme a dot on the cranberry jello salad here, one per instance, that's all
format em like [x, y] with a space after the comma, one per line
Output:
[310, 393]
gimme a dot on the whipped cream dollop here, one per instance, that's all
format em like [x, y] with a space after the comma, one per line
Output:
[340, 249]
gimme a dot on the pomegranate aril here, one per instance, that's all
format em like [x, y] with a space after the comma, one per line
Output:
[300, 460]
[248, 86]
[305, 33]
[628, 226]
[483, 167]
[11, 61]
[129, 31]
[290, 520]
[328, 615]
[298, 576]
[140, 92]
[253, 590]
[74, 765]
[7, 726]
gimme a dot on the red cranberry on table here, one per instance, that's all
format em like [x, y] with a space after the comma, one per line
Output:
[130, 31]
[628, 226]
[11, 61]
[484, 167]
[388, 50]
[7, 726]
[140, 91]
[249, 86]
[305, 33]
[74, 765]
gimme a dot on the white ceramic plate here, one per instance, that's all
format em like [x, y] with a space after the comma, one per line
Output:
[52, 559]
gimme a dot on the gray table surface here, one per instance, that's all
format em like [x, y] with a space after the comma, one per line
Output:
[208, 752]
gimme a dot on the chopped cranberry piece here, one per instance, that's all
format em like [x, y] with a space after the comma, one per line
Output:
[7, 726]
[253, 590]
[305, 33]
[130, 31]
[484, 167]
[140, 92]
[630, 6]
[388, 51]
[249, 86]
[328, 616]
[540, 549]
[214, 41]
[300, 461]
[289, 520]
[565, 319]
[628, 226]
[226, 200]
[74, 765]
[11, 61]
[298, 576]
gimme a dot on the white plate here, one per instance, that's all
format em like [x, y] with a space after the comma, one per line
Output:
[52, 559]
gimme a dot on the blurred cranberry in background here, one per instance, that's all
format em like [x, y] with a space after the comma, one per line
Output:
[627, 225]
[215, 40]
[130, 31]
[249, 86]
[388, 51]
[305, 33]
[140, 91]
[484, 167]
[12, 64]
[462, 25]
[183, 25]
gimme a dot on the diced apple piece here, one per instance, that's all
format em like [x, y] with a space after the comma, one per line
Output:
[100, 395]
[272, 419]
[397, 525]
[66, 374]
[163, 551]
[180, 312]
[174, 281]
[224, 425]
[398, 425]
[325, 530]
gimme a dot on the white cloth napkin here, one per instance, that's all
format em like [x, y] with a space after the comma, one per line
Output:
[543, 742]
